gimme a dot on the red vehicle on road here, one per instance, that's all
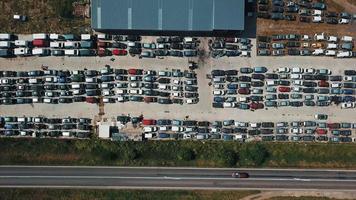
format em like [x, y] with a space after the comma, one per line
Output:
[284, 89]
[244, 91]
[323, 83]
[149, 122]
[119, 52]
[255, 106]
[321, 131]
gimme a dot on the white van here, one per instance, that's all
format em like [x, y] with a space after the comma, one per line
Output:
[319, 37]
[71, 52]
[332, 38]
[346, 38]
[5, 44]
[40, 52]
[317, 13]
[330, 52]
[230, 105]
[56, 44]
[41, 36]
[47, 100]
[71, 44]
[271, 83]
[148, 129]
[191, 101]
[344, 54]
[331, 46]
[188, 40]
[317, 19]
[67, 134]
[85, 36]
[318, 52]
[53, 36]
[21, 43]
[177, 128]
[5, 36]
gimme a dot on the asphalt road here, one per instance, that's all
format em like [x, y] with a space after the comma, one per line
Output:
[175, 178]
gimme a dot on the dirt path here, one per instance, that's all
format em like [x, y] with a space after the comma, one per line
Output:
[347, 6]
[269, 194]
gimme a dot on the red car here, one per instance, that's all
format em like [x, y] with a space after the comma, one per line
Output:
[119, 52]
[244, 91]
[150, 99]
[149, 122]
[91, 100]
[255, 106]
[333, 125]
[321, 131]
[135, 71]
[104, 52]
[323, 83]
[40, 43]
[284, 89]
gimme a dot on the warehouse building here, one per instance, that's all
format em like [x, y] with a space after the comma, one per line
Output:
[168, 17]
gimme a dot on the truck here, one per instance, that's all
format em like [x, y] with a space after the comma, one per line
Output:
[5, 44]
[59, 45]
[41, 52]
[22, 51]
[39, 36]
[22, 43]
[6, 36]
[71, 52]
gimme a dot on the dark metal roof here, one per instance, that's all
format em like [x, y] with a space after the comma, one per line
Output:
[168, 15]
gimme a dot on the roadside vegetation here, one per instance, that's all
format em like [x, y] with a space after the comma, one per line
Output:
[85, 194]
[303, 198]
[176, 153]
[49, 16]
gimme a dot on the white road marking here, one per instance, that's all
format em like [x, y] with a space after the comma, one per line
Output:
[176, 178]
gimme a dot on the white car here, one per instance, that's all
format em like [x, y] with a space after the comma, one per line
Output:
[336, 85]
[297, 82]
[330, 53]
[177, 82]
[332, 46]
[191, 101]
[283, 70]
[317, 19]
[149, 129]
[121, 91]
[344, 21]
[346, 38]
[177, 128]
[297, 70]
[347, 78]
[305, 38]
[296, 76]
[218, 92]
[318, 52]
[296, 130]
[136, 91]
[348, 105]
[230, 104]
[296, 89]
[319, 37]
[332, 39]
[344, 54]
[309, 71]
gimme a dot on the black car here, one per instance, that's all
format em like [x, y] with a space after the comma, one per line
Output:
[217, 72]
[258, 76]
[257, 84]
[272, 76]
[79, 99]
[321, 77]
[335, 78]
[244, 79]
[217, 105]
[308, 77]
[65, 100]
[283, 96]
[284, 82]
[293, 52]
[323, 91]
[191, 88]
[296, 103]
[164, 101]
[231, 72]
[331, 20]
[120, 71]
[309, 90]
[350, 72]
[119, 45]
[256, 98]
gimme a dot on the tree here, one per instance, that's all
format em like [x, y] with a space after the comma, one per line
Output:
[228, 158]
[254, 154]
[185, 154]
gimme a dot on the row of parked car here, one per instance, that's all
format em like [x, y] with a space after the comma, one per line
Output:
[230, 47]
[256, 89]
[109, 85]
[96, 45]
[306, 10]
[305, 45]
[310, 130]
[45, 127]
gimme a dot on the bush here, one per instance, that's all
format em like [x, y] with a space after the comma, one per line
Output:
[253, 154]
[228, 158]
[186, 154]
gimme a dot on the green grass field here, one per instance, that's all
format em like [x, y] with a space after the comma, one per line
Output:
[89, 194]
[176, 153]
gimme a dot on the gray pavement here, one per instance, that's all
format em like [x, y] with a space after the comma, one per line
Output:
[201, 111]
[174, 178]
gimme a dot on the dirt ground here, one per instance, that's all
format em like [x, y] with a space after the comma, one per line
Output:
[42, 17]
[269, 27]
[266, 195]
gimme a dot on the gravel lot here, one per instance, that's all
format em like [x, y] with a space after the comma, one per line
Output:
[201, 111]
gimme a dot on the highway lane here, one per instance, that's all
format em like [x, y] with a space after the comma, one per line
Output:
[188, 178]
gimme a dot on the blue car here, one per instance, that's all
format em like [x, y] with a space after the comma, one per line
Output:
[219, 99]
[336, 91]
[348, 99]
[348, 91]
[232, 91]
[232, 86]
